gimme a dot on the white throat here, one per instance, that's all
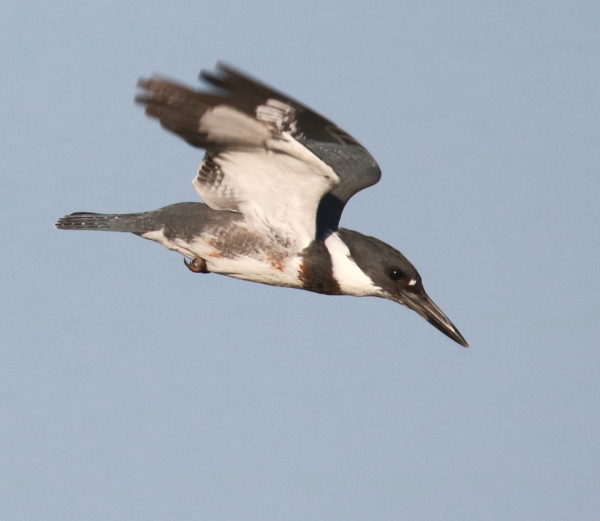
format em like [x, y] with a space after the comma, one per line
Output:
[351, 279]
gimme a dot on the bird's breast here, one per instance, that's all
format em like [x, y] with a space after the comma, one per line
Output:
[316, 270]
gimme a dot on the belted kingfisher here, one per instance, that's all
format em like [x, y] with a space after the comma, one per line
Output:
[274, 180]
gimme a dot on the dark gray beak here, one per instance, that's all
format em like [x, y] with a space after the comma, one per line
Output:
[424, 306]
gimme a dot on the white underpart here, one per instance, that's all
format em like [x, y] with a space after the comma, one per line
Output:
[239, 267]
[173, 244]
[277, 187]
[349, 276]
[254, 270]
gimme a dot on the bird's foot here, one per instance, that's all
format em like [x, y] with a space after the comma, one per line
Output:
[198, 265]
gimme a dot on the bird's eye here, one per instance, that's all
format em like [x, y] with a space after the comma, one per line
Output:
[395, 273]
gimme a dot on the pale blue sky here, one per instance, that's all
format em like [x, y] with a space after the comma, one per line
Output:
[131, 389]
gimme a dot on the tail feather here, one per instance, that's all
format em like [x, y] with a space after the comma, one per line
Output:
[133, 222]
[185, 220]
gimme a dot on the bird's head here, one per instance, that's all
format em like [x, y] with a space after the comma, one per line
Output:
[395, 278]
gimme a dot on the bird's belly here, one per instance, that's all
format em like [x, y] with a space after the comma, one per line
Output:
[257, 258]
[273, 265]
[275, 273]
[265, 263]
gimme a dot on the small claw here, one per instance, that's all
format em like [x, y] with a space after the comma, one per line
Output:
[197, 265]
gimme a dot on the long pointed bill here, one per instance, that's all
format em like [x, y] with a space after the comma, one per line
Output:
[424, 306]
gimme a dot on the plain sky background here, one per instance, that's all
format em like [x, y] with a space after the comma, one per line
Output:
[132, 389]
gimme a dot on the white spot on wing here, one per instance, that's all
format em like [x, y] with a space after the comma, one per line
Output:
[224, 124]
[279, 114]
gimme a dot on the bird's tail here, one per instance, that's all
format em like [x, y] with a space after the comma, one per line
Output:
[129, 222]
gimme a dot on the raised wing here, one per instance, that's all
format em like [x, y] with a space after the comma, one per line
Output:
[268, 156]
[353, 164]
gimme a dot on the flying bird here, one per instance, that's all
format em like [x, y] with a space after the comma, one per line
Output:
[274, 180]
